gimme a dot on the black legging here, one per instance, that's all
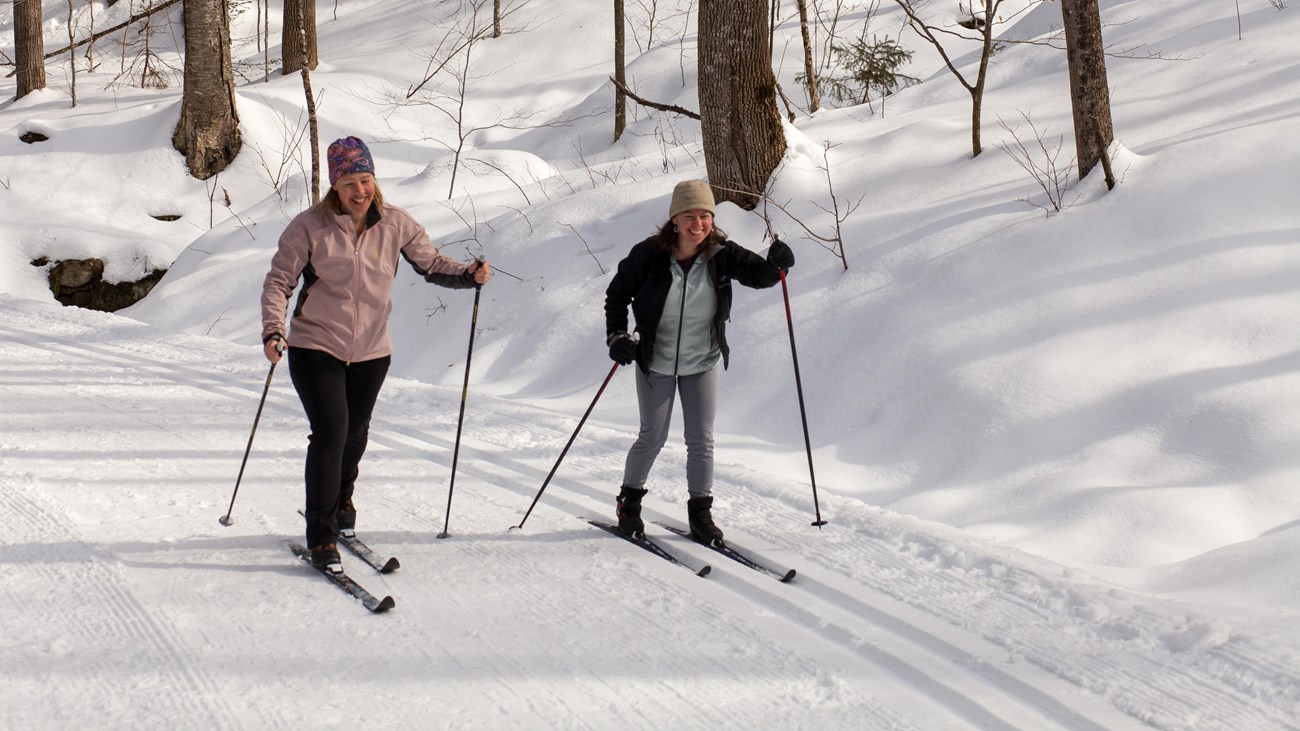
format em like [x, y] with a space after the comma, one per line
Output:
[338, 398]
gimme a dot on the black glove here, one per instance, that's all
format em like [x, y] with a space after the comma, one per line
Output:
[622, 349]
[779, 255]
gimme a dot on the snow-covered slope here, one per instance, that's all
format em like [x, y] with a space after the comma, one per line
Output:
[127, 604]
[1057, 453]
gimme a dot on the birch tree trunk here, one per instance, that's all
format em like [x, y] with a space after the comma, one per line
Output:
[208, 131]
[739, 118]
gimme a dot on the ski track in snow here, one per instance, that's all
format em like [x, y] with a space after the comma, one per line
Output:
[92, 648]
[887, 615]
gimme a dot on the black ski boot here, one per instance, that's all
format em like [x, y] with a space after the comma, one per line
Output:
[629, 511]
[700, 512]
[326, 557]
[347, 518]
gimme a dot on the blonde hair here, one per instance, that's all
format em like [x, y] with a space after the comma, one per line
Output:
[331, 205]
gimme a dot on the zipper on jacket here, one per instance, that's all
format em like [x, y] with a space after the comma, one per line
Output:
[357, 277]
[681, 317]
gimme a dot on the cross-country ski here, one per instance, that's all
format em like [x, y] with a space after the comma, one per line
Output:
[345, 582]
[382, 564]
[654, 548]
[743, 558]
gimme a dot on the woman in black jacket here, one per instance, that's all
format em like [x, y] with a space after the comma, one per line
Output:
[678, 284]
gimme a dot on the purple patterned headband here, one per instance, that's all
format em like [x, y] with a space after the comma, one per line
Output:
[349, 155]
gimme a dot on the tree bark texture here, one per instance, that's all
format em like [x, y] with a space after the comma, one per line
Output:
[814, 96]
[620, 70]
[208, 130]
[1089, 93]
[312, 124]
[29, 46]
[296, 39]
[739, 118]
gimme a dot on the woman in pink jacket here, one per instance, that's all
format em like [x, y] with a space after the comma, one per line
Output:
[345, 251]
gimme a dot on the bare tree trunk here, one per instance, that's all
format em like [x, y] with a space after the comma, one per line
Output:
[90, 47]
[1089, 94]
[739, 118]
[72, 55]
[29, 47]
[620, 71]
[814, 97]
[496, 18]
[208, 130]
[298, 39]
[311, 112]
[266, 42]
[913, 10]
[981, 79]
[147, 66]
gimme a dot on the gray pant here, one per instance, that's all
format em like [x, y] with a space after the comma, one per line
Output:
[655, 393]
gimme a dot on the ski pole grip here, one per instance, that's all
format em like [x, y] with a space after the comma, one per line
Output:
[480, 259]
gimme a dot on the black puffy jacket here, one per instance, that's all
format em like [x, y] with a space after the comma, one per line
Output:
[643, 279]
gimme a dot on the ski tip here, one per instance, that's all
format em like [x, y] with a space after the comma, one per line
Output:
[384, 605]
[392, 565]
[704, 571]
[789, 576]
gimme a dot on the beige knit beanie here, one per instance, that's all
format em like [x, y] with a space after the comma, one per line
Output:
[691, 195]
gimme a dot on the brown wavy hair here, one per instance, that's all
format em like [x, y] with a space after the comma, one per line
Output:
[667, 241]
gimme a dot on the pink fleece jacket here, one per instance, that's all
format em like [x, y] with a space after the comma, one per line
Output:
[347, 280]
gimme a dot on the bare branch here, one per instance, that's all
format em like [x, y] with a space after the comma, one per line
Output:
[1042, 167]
[654, 105]
[588, 247]
[96, 36]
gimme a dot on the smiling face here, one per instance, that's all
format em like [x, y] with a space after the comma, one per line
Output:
[356, 192]
[693, 227]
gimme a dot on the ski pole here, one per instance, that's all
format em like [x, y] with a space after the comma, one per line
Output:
[803, 414]
[226, 519]
[464, 392]
[566, 447]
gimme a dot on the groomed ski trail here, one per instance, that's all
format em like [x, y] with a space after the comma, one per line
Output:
[892, 623]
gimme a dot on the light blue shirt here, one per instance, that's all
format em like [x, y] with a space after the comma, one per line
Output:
[684, 342]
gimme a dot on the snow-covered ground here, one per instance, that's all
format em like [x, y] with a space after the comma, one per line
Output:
[1057, 453]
